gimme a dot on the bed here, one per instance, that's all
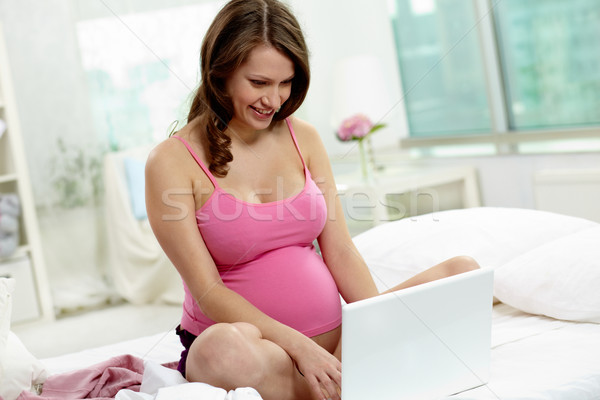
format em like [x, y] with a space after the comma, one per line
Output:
[546, 316]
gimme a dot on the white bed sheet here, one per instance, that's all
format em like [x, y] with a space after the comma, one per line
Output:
[533, 357]
[160, 348]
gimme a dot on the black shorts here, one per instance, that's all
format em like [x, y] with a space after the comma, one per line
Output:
[186, 339]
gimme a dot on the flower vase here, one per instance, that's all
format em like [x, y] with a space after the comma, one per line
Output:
[364, 163]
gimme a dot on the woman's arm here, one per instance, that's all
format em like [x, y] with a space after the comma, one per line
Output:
[170, 187]
[347, 267]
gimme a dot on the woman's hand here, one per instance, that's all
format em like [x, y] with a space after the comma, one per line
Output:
[321, 369]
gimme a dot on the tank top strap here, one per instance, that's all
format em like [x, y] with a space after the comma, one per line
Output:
[289, 124]
[198, 160]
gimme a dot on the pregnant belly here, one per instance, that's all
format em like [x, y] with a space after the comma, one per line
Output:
[291, 285]
[330, 341]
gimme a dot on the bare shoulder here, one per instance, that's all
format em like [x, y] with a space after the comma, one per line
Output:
[165, 155]
[304, 131]
[314, 152]
[170, 164]
[171, 156]
[309, 140]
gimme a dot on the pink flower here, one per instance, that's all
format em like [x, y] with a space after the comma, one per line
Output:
[355, 127]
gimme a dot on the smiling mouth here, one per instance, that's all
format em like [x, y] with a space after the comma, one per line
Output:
[266, 113]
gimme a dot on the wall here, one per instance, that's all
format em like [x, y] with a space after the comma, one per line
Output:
[336, 31]
[507, 181]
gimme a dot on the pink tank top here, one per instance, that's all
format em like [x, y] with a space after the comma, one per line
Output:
[265, 253]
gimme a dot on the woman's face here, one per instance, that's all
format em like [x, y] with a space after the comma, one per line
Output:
[259, 87]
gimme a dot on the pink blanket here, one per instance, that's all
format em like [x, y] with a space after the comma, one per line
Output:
[99, 382]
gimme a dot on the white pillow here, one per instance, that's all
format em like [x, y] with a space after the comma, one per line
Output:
[19, 369]
[559, 279]
[136, 186]
[398, 250]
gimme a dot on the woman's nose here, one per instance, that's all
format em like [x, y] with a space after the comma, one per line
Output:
[272, 99]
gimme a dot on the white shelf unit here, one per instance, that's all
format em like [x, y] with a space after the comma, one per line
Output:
[32, 298]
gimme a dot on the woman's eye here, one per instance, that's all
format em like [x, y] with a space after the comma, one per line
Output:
[258, 83]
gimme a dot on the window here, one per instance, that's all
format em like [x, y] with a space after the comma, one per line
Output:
[482, 67]
[141, 68]
[550, 60]
[441, 68]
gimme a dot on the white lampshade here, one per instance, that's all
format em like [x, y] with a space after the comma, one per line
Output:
[359, 87]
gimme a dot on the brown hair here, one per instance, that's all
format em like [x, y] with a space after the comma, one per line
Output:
[239, 27]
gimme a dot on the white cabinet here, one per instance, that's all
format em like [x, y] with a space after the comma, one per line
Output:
[32, 298]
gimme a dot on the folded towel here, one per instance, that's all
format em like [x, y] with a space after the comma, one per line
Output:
[10, 204]
[8, 223]
[8, 243]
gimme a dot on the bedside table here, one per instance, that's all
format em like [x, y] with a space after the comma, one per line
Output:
[400, 192]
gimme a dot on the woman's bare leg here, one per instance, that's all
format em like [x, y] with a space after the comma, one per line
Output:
[452, 266]
[235, 355]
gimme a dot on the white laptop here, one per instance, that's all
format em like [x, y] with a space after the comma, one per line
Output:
[425, 342]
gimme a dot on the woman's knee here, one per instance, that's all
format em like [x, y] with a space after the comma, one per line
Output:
[225, 355]
[459, 264]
